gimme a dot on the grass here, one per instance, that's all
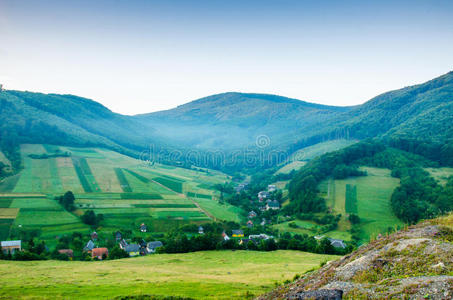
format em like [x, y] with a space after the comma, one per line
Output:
[224, 212]
[172, 184]
[140, 196]
[351, 199]
[200, 275]
[319, 149]
[440, 174]
[294, 165]
[154, 193]
[123, 181]
[373, 193]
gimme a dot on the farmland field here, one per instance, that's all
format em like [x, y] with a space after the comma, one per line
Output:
[123, 189]
[199, 275]
[319, 149]
[368, 195]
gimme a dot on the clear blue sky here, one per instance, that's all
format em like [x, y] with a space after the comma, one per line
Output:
[142, 56]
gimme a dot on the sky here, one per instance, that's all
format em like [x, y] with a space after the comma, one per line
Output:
[142, 56]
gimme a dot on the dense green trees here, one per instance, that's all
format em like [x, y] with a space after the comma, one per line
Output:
[67, 201]
[419, 196]
[91, 218]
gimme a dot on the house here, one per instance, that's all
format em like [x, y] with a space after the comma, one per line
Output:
[89, 246]
[151, 247]
[261, 236]
[68, 252]
[100, 253]
[118, 236]
[94, 236]
[225, 236]
[273, 205]
[252, 214]
[263, 195]
[200, 230]
[271, 188]
[237, 233]
[337, 243]
[249, 224]
[143, 227]
[123, 244]
[11, 246]
[263, 222]
[262, 208]
[132, 249]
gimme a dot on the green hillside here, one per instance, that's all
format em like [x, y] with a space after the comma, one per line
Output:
[125, 190]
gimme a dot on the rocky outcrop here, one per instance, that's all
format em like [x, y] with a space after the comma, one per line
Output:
[415, 263]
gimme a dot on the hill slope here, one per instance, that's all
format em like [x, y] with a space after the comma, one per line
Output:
[416, 263]
[234, 120]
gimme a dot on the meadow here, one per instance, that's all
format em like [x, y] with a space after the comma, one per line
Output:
[125, 190]
[199, 275]
[367, 196]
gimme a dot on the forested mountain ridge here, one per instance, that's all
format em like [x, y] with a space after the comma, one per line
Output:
[233, 120]
[229, 121]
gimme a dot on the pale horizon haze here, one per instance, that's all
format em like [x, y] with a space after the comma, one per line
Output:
[142, 56]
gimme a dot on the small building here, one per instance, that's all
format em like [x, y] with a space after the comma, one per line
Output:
[273, 205]
[94, 236]
[118, 236]
[68, 252]
[263, 222]
[249, 224]
[151, 247]
[237, 233]
[337, 243]
[263, 195]
[200, 230]
[252, 214]
[11, 246]
[143, 227]
[123, 244]
[89, 246]
[133, 249]
[261, 236]
[271, 188]
[100, 253]
[225, 236]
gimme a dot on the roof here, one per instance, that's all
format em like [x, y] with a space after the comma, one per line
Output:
[132, 248]
[337, 243]
[154, 245]
[238, 232]
[90, 245]
[200, 227]
[68, 252]
[11, 243]
[100, 251]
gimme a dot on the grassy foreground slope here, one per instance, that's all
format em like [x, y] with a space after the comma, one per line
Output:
[199, 275]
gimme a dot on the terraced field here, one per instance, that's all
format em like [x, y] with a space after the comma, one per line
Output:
[126, 191]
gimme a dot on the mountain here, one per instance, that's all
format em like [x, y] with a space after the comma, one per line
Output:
[229, 121]
[416, 262]
[66, 119]
[234, 120]
[423, 111]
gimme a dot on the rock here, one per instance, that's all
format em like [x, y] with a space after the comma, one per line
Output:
[319, 295]
[439, 265]
[403, 244]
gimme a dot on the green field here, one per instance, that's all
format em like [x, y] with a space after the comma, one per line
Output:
[295, 165]
[122, 188]
[199, 275]
[319, 149]
[369, 197]
[440, 174]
